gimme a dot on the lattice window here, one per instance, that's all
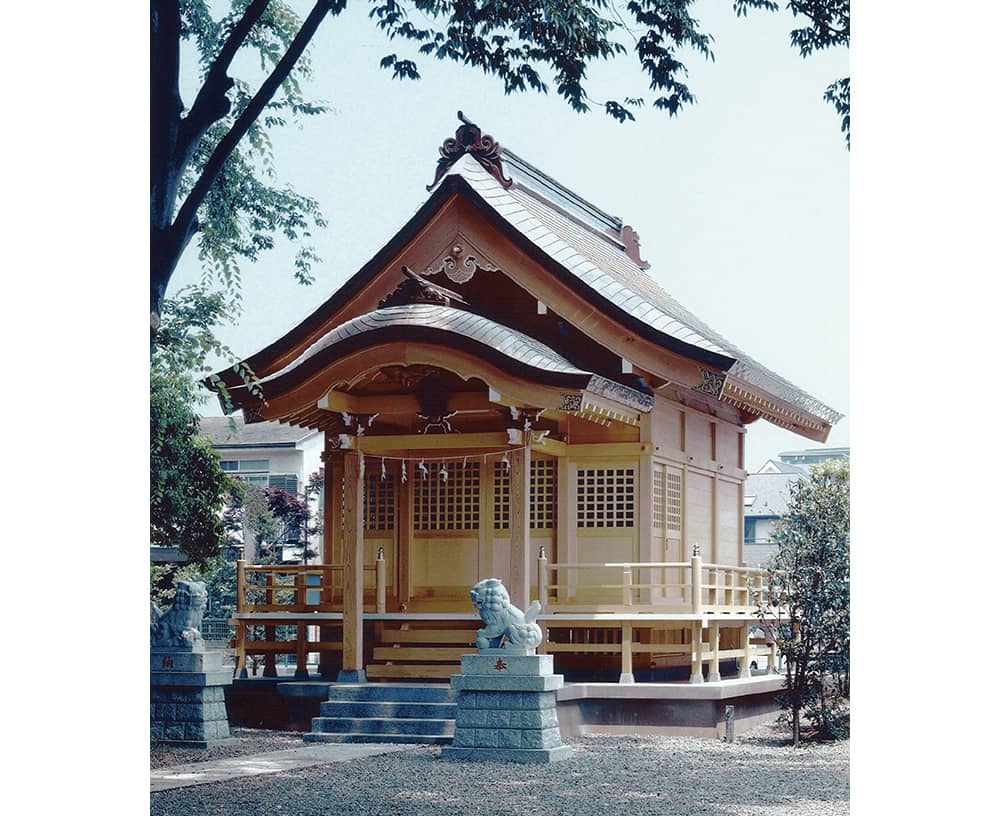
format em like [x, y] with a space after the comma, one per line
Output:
[674, 502]
[447, 504]
[659, 498]
[501, 496]
[543, 494]
[605, 497]
[380, 503]
[541, 498]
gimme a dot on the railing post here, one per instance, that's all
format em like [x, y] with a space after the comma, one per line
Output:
[543, 578]
[543, 596]
[730, 588]
[241, 586]
[301, 582]
[696, 605]
[627, 586]
[717, 593]
[380, 582]
[270, 667]
[241, 628]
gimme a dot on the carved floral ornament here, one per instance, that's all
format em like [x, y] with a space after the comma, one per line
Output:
[460, 260]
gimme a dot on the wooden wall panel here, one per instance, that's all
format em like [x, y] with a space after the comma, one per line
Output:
[727, 444]
[729, 516]
[698, 513]
[699, 436]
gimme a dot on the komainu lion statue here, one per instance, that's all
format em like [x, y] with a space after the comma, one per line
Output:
[180, 626]
[506, 625]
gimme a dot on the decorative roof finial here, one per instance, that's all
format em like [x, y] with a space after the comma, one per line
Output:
[470, 139]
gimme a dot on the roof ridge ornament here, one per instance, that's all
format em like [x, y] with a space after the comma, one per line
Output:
[469, 139]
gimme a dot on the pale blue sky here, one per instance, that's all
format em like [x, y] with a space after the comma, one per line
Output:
[741, 201]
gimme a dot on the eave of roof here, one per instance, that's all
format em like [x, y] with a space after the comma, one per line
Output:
[508, 348]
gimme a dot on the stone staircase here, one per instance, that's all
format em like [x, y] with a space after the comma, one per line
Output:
[378, 712]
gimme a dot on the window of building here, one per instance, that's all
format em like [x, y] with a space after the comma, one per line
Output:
[541, 498]
[605, 497]
[447, 504]
[379, 503]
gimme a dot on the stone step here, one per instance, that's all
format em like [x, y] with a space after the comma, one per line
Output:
[415, 739]
[383, 726]
[392, 693]
[349, 708]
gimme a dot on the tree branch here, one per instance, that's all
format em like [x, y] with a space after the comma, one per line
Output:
[212, 102]
[183, 226]
[164, 118]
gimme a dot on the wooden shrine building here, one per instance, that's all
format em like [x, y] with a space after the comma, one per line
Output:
[506, 392]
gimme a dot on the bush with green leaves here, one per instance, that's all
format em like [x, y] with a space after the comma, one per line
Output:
[187, 487]
[810, 578]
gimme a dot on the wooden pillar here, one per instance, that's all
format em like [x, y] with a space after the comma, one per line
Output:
[745, 645]
[645, 507]
[713, 645]
[353, 670]
[696, 653]
[404, 535]
[520, 532]
[566, 526]
[333, 500]
[626, 677]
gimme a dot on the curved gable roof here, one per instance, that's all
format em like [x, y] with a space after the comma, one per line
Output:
[587, 250]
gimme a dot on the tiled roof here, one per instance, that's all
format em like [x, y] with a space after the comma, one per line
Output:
[220, 431]
[581, 238]
[771, 493]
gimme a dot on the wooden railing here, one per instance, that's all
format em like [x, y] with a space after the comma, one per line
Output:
[662, 586]
[286, 588]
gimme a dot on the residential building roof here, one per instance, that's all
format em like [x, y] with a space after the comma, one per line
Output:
[777, 466]
[233, 432]
[768, 494]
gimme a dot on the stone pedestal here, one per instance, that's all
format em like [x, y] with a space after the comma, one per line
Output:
[506, 709]
[187, 704]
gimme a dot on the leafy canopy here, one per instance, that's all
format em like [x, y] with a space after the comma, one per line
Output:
[212, 168]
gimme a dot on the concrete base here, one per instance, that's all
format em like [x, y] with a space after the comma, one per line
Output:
[187, 703]
[667, 709]
[525, 755]
[506, 709]
[352, 676]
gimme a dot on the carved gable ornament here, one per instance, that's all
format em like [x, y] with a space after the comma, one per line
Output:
[470, 139]
[460, 260]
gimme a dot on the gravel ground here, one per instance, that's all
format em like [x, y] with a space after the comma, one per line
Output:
[245, 741]
[759, 775]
